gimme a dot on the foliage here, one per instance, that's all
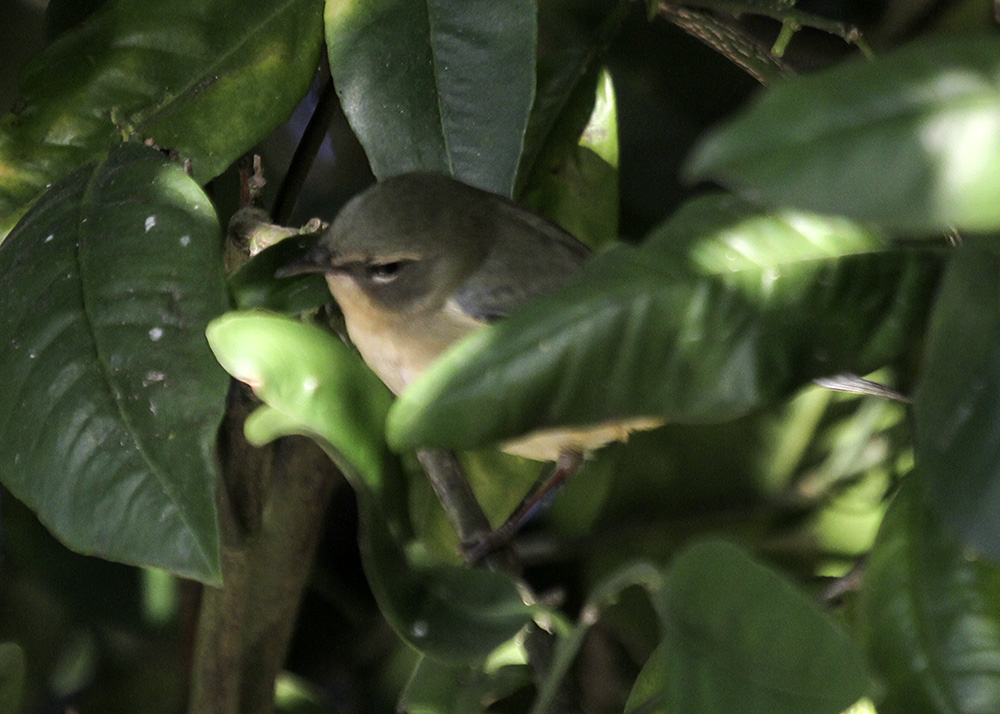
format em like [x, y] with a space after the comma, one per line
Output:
[849, 230]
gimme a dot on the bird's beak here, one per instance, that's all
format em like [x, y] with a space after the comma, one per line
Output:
[318, 259]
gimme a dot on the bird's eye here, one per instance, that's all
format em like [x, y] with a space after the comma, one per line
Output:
[386, 272]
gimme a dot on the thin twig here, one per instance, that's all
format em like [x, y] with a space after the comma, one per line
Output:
[306, 152]
[728, 38]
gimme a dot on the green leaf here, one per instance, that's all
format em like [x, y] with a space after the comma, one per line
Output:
[957, 402]
[575, 180]
[929, 615]
[254, 284]
[439, 688]
[573, 42]
[443, 85]
[725, 308]
[455, 614]
[12, 668]
[313, 384]
[208, 80]
[739, 638]
[910, 140]
[109, 397]
[647, 691]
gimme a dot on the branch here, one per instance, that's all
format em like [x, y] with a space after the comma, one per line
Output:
[271, 506]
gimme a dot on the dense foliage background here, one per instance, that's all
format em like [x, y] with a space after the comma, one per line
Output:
[779, 192]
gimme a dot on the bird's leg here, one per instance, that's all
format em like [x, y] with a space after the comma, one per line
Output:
[568, 463]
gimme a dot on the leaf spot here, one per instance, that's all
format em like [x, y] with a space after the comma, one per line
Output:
[153, 376]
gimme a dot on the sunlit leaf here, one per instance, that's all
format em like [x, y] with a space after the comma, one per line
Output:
[444, 85]
[724, 309]
[316, 384]
[110, 399]
[575, 180]
[909, 140]
[313, 384]
[208, 80]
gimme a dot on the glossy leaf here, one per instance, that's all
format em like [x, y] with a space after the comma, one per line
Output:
[957, 404]
[725, 308]
[316, 382]
[313, 384]
[109, 397]
[254, 284]
[737, 637]
[208, 80]
[909, 140]
[575, 182]
[572, 47]
[929, 615]
[444, 85]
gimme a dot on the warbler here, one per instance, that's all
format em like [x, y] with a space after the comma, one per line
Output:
[420, 260]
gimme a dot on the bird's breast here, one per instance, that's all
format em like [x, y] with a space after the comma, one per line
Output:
[397, 346]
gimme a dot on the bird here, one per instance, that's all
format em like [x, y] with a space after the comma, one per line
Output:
[419, 260]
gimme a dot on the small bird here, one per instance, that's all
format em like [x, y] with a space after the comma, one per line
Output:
[420, 260]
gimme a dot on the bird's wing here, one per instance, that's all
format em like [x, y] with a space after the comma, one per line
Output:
[529, 257]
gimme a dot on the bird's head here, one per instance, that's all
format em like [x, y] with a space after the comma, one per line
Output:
[406, 243]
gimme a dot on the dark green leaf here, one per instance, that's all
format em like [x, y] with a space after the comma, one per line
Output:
[572, 47]
[739, 638]
[110, 399]
[575, 181]
[724, 309]
[443, 85]
[313, 384]
[647, 691]
[12, 668]
[439, 688]
[208, 80]
[452, 613]
[957, 404]
[910, 140]
[929, 615]
[254, 284]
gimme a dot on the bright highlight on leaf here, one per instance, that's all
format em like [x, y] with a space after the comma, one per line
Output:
[725, 308]
[185, 74]
[909, 141]
[312, 384]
